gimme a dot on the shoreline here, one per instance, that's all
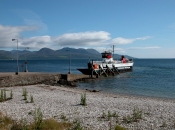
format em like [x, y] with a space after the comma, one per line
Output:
[138, 96]
[129, 95]
[57, 100]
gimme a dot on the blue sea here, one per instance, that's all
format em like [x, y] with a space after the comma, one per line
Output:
[150, 77]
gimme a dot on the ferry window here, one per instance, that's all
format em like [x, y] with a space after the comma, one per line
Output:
[106, 55]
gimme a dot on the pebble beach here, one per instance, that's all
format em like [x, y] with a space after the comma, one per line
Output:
[54, 101]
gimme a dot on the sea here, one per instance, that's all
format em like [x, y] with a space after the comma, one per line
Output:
[149, 78]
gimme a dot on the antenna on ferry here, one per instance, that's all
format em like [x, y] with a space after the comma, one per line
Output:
[113, 50]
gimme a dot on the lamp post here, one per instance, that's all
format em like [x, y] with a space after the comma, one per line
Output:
[69, 61]
[26, 60]
[17, 68]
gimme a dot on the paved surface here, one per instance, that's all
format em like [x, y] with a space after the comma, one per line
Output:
[3, 74]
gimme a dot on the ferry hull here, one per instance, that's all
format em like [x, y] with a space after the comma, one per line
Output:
[87, 71]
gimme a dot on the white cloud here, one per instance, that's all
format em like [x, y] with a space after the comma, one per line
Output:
[120, 50]
[99, 40]
[7, 33]
[83, 39]
[143, 48]
[116, 50]
[121, 40]
[37, 42]
[32, 19]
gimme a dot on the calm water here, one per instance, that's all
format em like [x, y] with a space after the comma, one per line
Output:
[150, 77]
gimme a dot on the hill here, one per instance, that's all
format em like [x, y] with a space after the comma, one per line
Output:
[49, 54]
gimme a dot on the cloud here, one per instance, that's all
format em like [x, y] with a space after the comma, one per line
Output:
[7, 33]
[83, 39]
[99, 40]
[121, 40]
[143, 48]
[30, 18]
[37, 42]
[121, 50]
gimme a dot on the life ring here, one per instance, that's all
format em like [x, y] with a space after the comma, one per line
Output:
[95, 66]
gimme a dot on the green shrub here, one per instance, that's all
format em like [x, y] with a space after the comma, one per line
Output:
[127, 119]
[77, 125]
[117, 118]
[22, 125]
[109, 115]
[24, 94]
[31, 99]
[114, 114]
[51, 124]
[6, 123]
[164, 124]
[117, 127]
[38, 118]
[83, 99]
[63, 117]
[137, 114]
[11, 94]
[3, 95]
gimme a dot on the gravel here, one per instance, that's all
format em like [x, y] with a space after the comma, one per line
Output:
[54, 101]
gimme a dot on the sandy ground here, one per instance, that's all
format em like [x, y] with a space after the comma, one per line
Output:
[54, 101]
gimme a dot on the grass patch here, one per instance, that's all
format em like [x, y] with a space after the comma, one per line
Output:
[109, 115]
[63, 117]
[83, 99]
[164, 124]
[6, 123]
[3, 95]
[11, 94]
[117, 127]
[38, 118]
[24, 93]
[31, 99]
[136, 116]
[51, 124]
[76, 126]
[127, 119]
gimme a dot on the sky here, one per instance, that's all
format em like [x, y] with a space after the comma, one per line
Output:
[138, 28]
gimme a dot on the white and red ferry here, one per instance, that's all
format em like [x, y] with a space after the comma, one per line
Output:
[108, 65]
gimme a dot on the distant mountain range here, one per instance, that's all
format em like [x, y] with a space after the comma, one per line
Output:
[49, 54]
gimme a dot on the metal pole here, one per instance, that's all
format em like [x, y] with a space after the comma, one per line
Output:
[17, 59]
[26, 59]
[113, 51]
[69, 61]
[17, 68]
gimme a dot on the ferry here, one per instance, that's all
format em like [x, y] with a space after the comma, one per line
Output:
[108, 65]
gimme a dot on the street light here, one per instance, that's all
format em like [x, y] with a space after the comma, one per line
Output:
[69, 61]
[17, 68]
[26, 60]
